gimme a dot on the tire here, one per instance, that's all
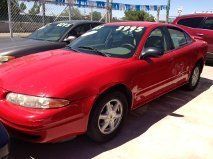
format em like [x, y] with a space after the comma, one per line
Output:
[100, 126]
[194, 78]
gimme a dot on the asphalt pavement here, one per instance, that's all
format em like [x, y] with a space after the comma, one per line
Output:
[7, 39]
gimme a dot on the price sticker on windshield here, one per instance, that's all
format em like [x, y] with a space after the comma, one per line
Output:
[44, 27]
[139, 29]
[130, 28]
[98, 27]
[66, 25]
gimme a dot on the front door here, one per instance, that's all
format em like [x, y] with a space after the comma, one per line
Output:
[153, 77]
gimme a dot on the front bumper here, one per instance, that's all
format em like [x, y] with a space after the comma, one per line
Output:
[41, 126]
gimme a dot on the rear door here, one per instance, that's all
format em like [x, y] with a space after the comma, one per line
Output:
[181, 53]
[201, 27]
[207, 32]
[193, 22]
[192, 25]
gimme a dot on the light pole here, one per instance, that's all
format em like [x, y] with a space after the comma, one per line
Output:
[167, 10]
[180, 10]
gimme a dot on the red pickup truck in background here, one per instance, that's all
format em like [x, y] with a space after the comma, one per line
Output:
[199, 26]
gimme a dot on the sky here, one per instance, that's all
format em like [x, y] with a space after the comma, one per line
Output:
[188, 6]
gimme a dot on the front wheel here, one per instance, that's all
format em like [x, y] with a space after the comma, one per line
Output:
[107, 117]
[194, 78]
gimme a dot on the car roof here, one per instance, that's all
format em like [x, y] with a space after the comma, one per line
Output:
[196, 15]
[78, 22]
[141, 24]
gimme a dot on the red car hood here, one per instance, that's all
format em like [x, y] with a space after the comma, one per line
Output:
[42, 74]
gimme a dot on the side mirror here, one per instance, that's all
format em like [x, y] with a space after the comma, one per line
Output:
[151, 52]
[69, 38]
[197, 37]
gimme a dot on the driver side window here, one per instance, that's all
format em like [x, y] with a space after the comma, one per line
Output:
[156, 40]
[79, 30]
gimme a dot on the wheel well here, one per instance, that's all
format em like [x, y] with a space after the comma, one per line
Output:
[121, 88]
[200, 62]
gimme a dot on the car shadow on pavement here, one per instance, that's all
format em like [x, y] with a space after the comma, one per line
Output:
[138, 122]
[209, 64]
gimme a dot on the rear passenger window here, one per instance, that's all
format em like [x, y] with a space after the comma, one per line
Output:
[208, 24]
[191, 22]
[178, 37]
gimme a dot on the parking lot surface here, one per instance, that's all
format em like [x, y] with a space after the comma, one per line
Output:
[178, 125]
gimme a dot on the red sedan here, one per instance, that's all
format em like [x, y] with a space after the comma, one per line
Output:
[90, 86]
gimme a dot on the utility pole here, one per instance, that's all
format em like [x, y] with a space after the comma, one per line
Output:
[10, 18]
[43, 12]
[91, 16]
[70, 12]
[71, 4]
[158, 14]
[109, 11]
[167, 10]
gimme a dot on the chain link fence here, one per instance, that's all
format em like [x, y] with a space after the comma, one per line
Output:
[27, 16]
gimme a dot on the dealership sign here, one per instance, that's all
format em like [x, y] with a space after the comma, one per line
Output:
[102, 4]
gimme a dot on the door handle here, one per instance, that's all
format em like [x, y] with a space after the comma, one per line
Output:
[199, 34]
[171, 60]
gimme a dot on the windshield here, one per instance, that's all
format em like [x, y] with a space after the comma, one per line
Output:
[115, 41]
[51, 32]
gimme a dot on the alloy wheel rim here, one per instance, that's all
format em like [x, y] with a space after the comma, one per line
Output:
[110, 116]
[195, 76]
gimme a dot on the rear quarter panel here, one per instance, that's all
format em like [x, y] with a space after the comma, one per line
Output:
[200, 48]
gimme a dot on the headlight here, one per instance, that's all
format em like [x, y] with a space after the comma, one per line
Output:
[35, 102]
[4, 59]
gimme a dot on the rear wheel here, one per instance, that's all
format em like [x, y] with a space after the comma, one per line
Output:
[194, 78]
[107, 117]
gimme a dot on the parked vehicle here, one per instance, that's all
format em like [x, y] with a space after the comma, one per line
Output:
[91, 86]
[200, 25]
[52, 36]
[4, 142]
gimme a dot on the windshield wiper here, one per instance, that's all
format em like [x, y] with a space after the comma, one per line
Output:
[70, 48]
[37, 39]
[98, 52]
